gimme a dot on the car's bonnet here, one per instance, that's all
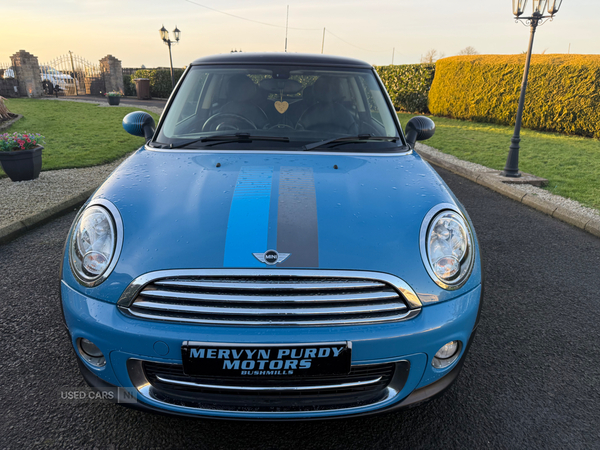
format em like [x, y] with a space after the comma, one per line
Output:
[189, 209]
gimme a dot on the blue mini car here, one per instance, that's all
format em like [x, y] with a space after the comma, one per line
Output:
[276, 250]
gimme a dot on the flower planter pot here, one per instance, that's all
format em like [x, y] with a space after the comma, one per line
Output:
[114, 100]
[23, 164]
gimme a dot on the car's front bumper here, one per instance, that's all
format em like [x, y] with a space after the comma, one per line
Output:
[127, 341]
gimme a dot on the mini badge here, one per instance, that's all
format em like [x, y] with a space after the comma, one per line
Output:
[271, 257]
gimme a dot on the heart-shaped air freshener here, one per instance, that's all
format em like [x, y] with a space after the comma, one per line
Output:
[281, 107]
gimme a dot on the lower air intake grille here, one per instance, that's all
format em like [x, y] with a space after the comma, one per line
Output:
[364, 385]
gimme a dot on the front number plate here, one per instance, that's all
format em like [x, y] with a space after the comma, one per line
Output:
[204, 358]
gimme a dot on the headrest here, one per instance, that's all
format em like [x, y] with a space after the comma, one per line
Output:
[327, 89]
[308, 94]
[240, 88]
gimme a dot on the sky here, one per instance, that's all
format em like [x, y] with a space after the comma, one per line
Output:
[374, 31]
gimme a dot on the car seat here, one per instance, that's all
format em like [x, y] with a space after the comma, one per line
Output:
[240, 93]
[328, 114]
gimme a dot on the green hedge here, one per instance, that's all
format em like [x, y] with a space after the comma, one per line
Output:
[563, 91]
[408, 85]
[128, 86]
[160, 80]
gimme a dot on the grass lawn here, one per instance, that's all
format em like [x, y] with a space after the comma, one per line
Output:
[570, 163]
[77, 134]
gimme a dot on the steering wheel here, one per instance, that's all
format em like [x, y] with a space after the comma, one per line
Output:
[281, 126]
[221, 122]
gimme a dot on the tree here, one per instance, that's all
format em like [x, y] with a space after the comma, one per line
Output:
[468, 51]
[431, 56]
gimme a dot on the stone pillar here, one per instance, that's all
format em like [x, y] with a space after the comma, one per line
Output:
[113, 73]
[27, 71]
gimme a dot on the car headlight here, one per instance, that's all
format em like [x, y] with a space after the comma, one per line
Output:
[95, 243]
[447, 247]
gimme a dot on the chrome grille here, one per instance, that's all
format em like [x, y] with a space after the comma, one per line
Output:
[269, 298]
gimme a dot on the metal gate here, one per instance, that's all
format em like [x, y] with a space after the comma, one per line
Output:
[6, 71]
[8, 81]
[72, 75]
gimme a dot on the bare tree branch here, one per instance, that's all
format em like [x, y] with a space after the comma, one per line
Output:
[468, 51]
[431, 56]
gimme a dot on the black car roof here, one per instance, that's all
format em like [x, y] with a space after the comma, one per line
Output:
[306, 59]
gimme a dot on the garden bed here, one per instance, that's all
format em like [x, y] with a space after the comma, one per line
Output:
[6, 122]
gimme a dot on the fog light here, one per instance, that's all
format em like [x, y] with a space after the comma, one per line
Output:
[446, 355]
[90, 352]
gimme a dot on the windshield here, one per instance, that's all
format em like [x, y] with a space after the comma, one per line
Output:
[283, 107]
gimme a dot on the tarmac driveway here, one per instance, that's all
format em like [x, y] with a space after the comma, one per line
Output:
[531, 380]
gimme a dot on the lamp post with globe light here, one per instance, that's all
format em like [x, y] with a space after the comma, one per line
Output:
[537, 18]
[164, 35]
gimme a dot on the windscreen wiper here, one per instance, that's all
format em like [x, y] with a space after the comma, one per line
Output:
[346, 139]
[237, 137]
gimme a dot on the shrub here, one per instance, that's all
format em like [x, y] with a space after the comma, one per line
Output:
[4, 112]
[128, 86]
[408, 85]
[160, 80]
[563, 91]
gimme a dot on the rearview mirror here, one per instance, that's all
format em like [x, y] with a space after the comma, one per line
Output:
[419, 128]
[139, 123]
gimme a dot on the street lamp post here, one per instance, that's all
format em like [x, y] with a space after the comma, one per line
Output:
[537, 18]
[164, 35]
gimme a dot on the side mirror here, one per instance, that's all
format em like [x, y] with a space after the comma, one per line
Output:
[419, 128]
[139, 123]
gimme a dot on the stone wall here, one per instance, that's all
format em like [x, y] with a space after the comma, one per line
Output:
[27, 71]
[113, 73]
[7, 87]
